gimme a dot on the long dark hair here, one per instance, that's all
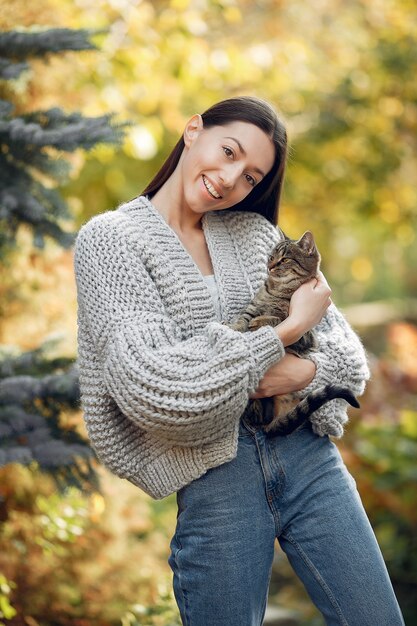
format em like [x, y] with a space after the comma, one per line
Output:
[265, 197]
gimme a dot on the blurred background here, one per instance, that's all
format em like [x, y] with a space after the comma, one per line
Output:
[93, 96]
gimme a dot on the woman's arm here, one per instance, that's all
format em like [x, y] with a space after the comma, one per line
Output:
[290, 374]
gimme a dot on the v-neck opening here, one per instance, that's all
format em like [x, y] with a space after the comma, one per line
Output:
[232, 282]
[204, 229]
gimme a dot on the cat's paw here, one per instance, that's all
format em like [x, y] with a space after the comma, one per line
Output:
[262, 320]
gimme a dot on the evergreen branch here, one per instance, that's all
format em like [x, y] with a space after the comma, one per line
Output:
[5, 108]
[33, 361]
[31, 143]
[30, 429]
[33, 394]
[23, 45]
[10, 70]
[15, 421]
[17, 206]
[65, 239]
[64, 132]
[22, 157]
[22, 389]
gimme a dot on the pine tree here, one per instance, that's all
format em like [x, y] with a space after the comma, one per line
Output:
[35, 390]
[26, 141]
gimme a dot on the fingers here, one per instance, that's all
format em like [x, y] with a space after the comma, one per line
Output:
[322, 283]
[321, 278]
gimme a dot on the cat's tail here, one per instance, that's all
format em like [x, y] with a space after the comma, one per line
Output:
[306, 407]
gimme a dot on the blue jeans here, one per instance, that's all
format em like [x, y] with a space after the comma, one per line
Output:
[297, 489]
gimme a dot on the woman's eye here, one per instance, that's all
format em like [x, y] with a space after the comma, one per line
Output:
[251, 180]
[228, 152]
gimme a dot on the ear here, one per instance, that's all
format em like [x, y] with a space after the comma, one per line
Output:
[283, 235]
[192, 129]
[307, 243]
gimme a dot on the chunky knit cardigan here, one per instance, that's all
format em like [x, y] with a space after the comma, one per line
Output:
[163, 382]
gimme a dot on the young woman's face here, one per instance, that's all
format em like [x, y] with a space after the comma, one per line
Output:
[222, 164]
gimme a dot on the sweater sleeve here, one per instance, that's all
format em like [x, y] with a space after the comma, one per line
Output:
[185, 391]
[341, 359]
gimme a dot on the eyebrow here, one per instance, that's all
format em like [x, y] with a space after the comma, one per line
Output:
[241, 148]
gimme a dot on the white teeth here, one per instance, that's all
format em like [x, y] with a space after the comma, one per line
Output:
[210, 188]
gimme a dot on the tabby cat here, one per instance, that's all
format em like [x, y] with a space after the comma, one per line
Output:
[291, 263]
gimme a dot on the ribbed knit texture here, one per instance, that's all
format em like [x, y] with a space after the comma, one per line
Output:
[163, 382]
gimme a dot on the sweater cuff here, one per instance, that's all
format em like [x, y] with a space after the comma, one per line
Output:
[265, 348]
[330, 418]
[324, 372]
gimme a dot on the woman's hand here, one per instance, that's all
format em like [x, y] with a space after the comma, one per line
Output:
[307, 306]
[290, 374]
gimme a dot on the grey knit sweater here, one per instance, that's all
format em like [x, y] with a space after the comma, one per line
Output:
[163, 382]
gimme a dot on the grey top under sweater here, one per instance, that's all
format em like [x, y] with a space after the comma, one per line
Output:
[214, 292]
[163, 382]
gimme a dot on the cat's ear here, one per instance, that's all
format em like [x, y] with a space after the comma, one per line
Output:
[307, 243]
[283, 235]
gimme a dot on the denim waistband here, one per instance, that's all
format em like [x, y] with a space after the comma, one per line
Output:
[246, 428]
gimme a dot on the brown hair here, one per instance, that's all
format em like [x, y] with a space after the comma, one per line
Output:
[265, 197]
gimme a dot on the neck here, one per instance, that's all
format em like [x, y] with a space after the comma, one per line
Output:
[169, 201]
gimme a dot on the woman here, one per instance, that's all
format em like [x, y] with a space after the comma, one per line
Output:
[164, 383]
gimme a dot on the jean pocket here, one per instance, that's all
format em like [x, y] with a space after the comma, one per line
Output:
[174, 547]
[244, 431]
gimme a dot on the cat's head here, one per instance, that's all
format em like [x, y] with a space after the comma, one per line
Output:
[296, 256]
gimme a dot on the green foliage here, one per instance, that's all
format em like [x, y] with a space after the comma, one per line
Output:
[386, 470]
[343, 80]
[163, 613]
[6, 609]
[42, 539]
[76, 560]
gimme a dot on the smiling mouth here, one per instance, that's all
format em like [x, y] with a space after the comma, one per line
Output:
[211, 189]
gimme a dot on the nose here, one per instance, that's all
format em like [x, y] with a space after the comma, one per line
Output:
[228, 176]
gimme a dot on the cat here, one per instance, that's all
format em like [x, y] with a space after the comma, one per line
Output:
[290, 264]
